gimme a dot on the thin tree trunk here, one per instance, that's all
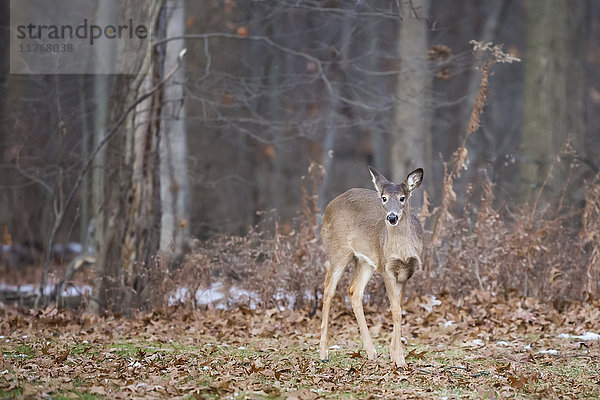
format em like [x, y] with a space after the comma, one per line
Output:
[101, 90]
[410, 143]
[379, 134]
[174, 182]
[331, 131]
[85, 153]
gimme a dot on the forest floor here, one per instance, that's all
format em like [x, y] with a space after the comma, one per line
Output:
[480, 347]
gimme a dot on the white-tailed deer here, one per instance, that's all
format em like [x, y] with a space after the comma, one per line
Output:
[376, 231]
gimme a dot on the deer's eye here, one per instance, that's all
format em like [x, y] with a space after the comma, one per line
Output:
[402, 198]
[383, 198]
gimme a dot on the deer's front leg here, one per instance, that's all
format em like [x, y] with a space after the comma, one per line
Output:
[395, 292]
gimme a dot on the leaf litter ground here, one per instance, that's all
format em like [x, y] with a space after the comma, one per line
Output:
[479, 347]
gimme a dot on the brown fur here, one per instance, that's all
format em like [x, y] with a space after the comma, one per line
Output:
[355, 229]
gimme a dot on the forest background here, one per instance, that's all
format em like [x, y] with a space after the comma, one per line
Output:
[214, 168]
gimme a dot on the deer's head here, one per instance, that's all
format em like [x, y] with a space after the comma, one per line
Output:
[394, 197]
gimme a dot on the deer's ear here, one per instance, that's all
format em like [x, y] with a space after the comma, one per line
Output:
[378, 180]
[414, 179]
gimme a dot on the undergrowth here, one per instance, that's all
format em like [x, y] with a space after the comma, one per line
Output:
[552, 253]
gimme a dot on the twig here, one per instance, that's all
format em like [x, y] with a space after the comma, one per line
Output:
[316, 305]
[480, 373]
[428, 372]
[539, 194]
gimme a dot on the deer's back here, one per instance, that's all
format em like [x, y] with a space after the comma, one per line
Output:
[353, 221]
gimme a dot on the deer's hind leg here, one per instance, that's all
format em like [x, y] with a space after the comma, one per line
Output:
[356, 290]
[335, 267]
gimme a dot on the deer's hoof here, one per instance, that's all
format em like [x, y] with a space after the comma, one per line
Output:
[324, 356]
[402, 365]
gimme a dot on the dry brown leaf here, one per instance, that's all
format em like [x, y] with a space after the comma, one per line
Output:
[61, 357]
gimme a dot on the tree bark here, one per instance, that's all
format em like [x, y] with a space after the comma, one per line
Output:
[411, 142]
[554, 99]
[127, 209]
[174, 182]
[101, 89]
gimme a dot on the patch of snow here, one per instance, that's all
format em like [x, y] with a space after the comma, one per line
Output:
[433, 301]
[334, 347]
[285, 300]
[75, 247]
[588, 336]
[20, 288]
[473, 343]
[502, 343]
[448, 323]
[178, 296]
[237, 293]
[76, 291]
[218, 296]
[49, 289]
[528, 347]
[550, 351]
[585, 336]
[211, 295]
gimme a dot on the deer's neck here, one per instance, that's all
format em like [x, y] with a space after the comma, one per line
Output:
[399, 242]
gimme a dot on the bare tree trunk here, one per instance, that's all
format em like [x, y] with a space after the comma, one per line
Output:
[174, 182]
[128, 208]
[411, 145]
[85, 153]
[331, 132]
[379, 134]
[101, 90]
[275, 112]
[109, 179]
[264, 172]
[554, 99]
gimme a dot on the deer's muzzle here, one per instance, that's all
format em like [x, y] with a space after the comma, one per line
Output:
[392, 218]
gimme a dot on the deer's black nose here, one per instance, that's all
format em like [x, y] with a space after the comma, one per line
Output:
[392, 218]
